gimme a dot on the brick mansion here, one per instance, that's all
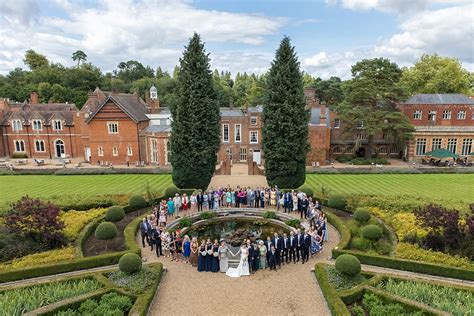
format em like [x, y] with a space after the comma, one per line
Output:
[117, 128]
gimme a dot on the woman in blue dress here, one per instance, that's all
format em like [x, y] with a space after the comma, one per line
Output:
[209, 255]
[215, 257]
[186, 248]
[315, 243]
[170, 204]
[202, 257]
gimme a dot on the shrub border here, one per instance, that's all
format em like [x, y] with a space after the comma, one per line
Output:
[392, 263]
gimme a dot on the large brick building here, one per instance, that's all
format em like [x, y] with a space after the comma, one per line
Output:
[117, 128]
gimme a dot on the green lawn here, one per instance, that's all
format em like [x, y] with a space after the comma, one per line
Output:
[42, 186]
[437, 186]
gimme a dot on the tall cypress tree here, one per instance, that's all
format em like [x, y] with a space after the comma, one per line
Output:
[285, 121]
[195, 124]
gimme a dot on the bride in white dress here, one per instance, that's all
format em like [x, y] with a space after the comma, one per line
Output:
[243, 267]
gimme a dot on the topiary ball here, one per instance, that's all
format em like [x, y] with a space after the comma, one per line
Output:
[337, 202]
[114, 214]
[106, 231]
[130, 263]
[136, 202]
[361, 215]
[372, 232]
[348, 264]
[171, 191]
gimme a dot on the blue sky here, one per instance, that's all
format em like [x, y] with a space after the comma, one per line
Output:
[329, 35]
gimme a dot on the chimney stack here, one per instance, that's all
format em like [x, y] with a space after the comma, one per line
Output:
[34, 98]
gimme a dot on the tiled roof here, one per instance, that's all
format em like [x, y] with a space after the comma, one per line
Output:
[450, 98]
[158, 128]
[133, 106]
[44, 111]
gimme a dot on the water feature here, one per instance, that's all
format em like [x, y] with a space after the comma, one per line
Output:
[234, 231]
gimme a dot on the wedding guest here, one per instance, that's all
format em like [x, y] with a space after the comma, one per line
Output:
[262, 198]
[184, 203]
[272, 197]
[228, 198]
[257, 197]
[194, 251]
[294, 199]
[177, 203]
[285, 249]
[200, 201]
[186, 249]
[232, 196]
[272, 258]
[172, 246]
[178, 242]
[288, 202]
[202, 257]
[277, 242]
[304, 207]
[315, 243]
[268, 244]
[248, 244]
[205, 199]
[299, 245]
[209, 255]
[215, 257]
[216, 200]
[263, 255]
[144, 231]
[255, 258]
[193, 200]
[170, 207]
[292, 248]
[223, 257]
[305, 247]
[157, 241]
[324, 227]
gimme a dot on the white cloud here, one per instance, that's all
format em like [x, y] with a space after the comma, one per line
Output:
[241, 61]
[326, 65]
[398, 6]
[152, 31]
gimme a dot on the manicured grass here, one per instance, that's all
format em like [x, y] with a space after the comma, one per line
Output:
[437, 186]
[43, 186]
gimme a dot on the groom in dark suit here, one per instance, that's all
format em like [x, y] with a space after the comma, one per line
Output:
[278, 243]
[272, 258]
[299, 245]
[292, 247]
[268, 244]
[200, 200]
[306, 245]
[285, 242]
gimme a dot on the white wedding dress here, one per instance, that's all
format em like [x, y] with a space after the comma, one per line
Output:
[243, 267]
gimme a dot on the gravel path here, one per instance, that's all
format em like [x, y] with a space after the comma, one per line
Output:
[292, 290]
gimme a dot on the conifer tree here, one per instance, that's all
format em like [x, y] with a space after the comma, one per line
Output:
[195, 120]
[285, 121]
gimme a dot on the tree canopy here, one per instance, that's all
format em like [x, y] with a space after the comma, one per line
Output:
[436, 74]
[369, 106]
[285, 120]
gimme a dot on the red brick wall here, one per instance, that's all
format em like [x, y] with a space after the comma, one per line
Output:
[409, 109]
[127, 136]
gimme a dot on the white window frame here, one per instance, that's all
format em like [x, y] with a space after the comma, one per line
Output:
[100, 151]
[154, 150]
[224, 138]
[35, 123]
[253, 120]
[446, 114]
[17, 125]
[420, 147]
[129, 151]
[417, 114]
[432, 116]
[337, 123]
[360, 125]
[42, 148]
[19, 146]
[452, 144]
[361, 136]
[436, 143]
[56, 124]
[466, 146]
[243, 154]
[337, 150]
[110, 128]
[238, 132]
[167, 153]
[115, 151]
[256, 137]
[462, 115]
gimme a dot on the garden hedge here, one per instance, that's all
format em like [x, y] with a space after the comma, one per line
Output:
[335, 304]
[142, 304]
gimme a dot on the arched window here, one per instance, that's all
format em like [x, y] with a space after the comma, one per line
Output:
[115, 151]
[39, 146]
[59, 146]
[168, 152]
[383, 150]
[337, 150]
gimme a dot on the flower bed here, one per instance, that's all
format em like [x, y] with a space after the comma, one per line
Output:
[414, 252]
[75, 221]
[24, 299]
[134, 283]
[109, 304]
[341, 281]
[41, 258]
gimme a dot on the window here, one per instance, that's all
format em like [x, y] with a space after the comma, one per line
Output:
[466, 146]
[225, 133]
[394, 150]
[360, 125]
[383, 150]
[154, 150]
[57, 125]
[100, 151]
[432, 116]
[461, 115]
[129, 151]
[472, 116]
[417, 115]
[349, 150]
[238, 130]
[452, 142]
[19, 146]
[16, 125]
[168, 152]
[337, 123]
[435, 144]
[253, 137]
[39, 146]
[253, 120]
[37, 125]
[337, 150]
[446, 115]
[113, 127]
[420, 146]
[115, 151]
[361, 136]
[243, 154]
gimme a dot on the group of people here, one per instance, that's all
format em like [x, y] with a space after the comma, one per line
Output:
[289, 201]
